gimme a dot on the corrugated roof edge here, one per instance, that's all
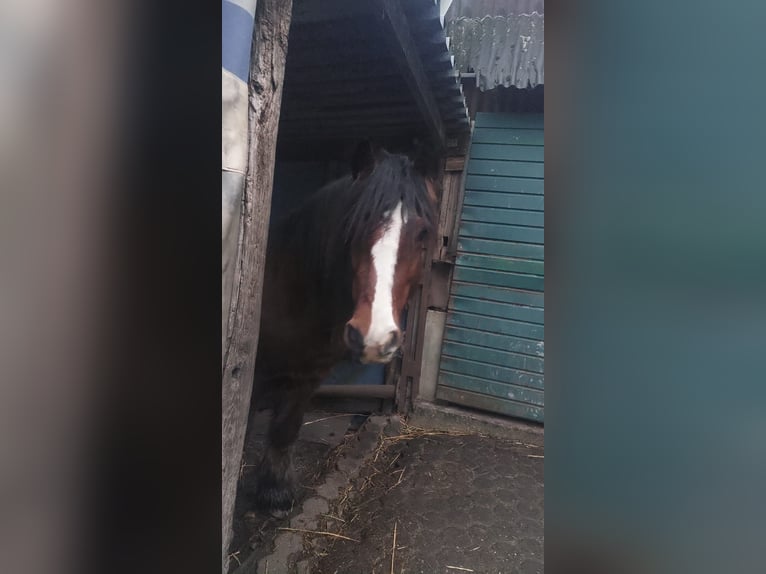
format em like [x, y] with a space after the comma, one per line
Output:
[502, 50]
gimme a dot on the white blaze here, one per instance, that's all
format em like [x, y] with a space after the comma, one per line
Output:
[384, 256]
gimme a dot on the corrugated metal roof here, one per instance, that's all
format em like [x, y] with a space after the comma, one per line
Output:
[481, 8]
[342, 83]
[502, 50]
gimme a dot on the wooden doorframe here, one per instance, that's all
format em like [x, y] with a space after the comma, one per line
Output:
[432, 285]
[267, 69]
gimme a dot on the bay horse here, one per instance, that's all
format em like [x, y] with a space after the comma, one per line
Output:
[339, 271]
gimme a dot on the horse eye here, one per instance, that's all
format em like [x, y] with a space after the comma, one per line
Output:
[422, 235]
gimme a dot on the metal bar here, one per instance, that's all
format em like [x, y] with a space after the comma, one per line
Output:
[357, 391]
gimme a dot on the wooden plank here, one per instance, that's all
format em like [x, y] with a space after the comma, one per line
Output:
[510, 121]
[490, 404]
[503, 248]
[492, 380]
[499, 310]
[500, 294]
[396, 31]
[494, 325]
[267, 69]
[507, 264]
[449, 215]
[508, 152]
[494, 356]
[475, 182]
[503, 216]
[505, 200]
[502, 232]
[454, 163]
[499, 278]
[495, 341]
[506, 168]
[503, 136]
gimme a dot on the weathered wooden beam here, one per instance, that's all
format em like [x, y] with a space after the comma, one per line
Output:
[267, 67]
[405, 52]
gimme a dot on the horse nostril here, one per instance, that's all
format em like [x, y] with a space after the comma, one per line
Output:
[394, 339]
[354, 339]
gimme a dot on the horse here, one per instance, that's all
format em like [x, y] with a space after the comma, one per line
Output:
[339, 271]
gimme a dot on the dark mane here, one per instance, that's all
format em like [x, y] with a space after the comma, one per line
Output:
[320, 232]
[394, 179]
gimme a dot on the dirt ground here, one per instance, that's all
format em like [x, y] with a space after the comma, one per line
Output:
[433, 503]
[415, 502]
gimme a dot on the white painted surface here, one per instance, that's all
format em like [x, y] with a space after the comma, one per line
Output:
[432, 351]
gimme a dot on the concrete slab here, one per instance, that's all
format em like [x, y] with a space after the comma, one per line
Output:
[448, 418]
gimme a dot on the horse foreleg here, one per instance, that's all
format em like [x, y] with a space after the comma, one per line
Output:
[274, 491]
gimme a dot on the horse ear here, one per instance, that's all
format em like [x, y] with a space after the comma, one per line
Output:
[363, 161]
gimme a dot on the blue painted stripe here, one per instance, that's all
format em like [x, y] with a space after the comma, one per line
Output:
[236, 38]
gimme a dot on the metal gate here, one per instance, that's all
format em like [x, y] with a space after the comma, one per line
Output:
[493, 348]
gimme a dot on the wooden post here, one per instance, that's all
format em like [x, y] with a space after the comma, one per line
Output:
[435, 279]
[267, 70]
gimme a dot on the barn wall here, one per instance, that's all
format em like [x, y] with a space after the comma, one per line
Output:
[493, 344]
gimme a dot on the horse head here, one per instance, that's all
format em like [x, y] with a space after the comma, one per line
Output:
[388, 230]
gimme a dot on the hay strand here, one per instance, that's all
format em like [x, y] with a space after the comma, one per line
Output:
[393, 549]
[318, 532]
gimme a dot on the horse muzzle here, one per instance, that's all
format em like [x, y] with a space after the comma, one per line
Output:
[368, 352]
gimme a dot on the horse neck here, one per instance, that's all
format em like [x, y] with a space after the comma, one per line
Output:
[311, 239]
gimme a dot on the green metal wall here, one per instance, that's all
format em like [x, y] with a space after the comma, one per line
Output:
[493, 349]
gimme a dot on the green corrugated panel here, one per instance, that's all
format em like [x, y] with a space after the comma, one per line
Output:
[508, 151]
[502, 232]
[507, 264]
[499, 341]
[503, 216]
[490, 403]
[499, 278]
[506, 168]
[510, 121]
[493, 350]
[495, 325]
[494, 357]
[502, 294]
[506, 200]
[499, 310]
[504, 184]
[493, 378]
[502, 248]
[509, 137]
